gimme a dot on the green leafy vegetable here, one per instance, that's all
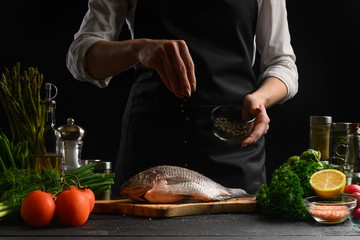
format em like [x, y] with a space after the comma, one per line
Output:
[22, 184]
[289, 185]
[312, 155]
[13, 155]
[283, 197]
[292, 160]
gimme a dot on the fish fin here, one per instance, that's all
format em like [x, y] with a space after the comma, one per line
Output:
[222, 197]
[135, 194]
[239, 193]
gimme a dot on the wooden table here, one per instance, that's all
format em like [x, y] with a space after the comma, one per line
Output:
[215, 226]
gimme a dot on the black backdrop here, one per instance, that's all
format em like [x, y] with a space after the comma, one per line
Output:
[325, 37]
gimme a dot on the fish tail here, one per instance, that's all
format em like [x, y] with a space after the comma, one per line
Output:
[239, 193]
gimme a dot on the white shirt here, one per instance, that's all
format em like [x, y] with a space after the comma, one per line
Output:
[105, 19]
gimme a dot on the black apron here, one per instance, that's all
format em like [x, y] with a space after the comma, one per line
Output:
[159, 128]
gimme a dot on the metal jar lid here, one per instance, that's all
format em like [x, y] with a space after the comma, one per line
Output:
[71, 131]
[102, 165]
[340, 126]
[320, 119]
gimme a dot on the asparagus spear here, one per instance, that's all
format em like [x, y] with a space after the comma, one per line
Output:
[20, 97]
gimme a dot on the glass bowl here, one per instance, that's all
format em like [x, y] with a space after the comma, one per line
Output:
[330, 211]
[232, 122]
[354, 217]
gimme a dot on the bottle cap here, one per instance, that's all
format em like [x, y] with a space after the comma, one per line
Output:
[71, 132]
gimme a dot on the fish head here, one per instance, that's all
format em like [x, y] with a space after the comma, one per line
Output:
[136, 187]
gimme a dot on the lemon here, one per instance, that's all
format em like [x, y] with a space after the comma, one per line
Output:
[328, 183]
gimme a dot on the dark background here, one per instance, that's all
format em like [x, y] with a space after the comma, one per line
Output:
[325, 37]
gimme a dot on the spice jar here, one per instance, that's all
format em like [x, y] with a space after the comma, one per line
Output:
[320, 135]
[71, 144]
[338, 136]
[105, 168]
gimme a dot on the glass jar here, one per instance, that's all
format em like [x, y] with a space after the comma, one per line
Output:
[338, 137]
[101, 167]
[352, 156]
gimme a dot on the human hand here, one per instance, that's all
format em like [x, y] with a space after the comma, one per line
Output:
[172, 60]
[261, 122]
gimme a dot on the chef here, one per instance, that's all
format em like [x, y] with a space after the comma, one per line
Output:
[189, 56]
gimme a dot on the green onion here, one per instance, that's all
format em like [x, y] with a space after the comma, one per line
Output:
[49, 180]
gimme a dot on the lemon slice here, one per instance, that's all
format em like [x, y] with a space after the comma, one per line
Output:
[328, 183]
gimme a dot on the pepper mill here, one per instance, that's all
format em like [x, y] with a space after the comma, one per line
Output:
[71, 144]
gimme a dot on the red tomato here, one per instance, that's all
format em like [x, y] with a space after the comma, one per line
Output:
[91, 196]
[38, 209]
[356, 213]
[52, 196]
[352, 188]
[71, 187]
[88, 192]
[357, 198]
[72, 208]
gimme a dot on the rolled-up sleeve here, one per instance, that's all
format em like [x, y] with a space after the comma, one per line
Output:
[273, 42]
[103, 21]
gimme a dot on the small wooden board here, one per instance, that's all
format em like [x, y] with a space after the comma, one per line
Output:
[130, 208]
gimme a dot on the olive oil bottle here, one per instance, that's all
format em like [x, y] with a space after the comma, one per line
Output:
[52, 158]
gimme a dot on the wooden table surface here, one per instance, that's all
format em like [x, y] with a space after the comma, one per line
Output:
[214, 226]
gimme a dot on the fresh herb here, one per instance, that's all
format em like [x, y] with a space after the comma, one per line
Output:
[289, 185]
[50, 181]
[13, 155]
[283, 196]
[304, 169]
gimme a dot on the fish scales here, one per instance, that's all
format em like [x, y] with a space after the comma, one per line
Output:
[169, 184]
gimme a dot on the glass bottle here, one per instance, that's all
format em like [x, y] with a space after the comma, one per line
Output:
[51, 157]
[320, 135]
[51, 134]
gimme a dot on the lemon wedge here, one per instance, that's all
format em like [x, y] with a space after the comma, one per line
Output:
[328, 183]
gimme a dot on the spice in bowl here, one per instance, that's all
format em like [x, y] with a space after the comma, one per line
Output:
[330, 211]
[232, 122]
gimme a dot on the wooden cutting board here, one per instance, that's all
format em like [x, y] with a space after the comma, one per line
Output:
[130, 208]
